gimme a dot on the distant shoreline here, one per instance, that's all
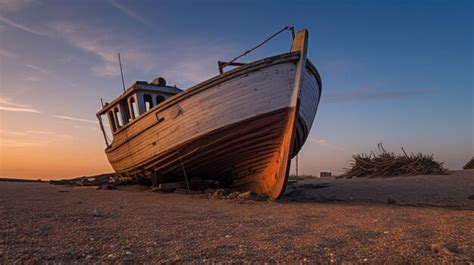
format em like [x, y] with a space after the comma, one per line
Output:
[22, 180]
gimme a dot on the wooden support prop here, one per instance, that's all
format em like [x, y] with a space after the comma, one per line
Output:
[154, 179]
[184, 172]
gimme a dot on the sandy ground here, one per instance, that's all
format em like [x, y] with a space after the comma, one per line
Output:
[422, 219]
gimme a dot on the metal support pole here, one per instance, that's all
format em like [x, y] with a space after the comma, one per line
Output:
[297, 169]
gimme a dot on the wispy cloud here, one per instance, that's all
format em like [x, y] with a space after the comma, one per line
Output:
[5, 53]
[191, 71]
[176, 60]
[77, 126]
[190, 67]
[19, 143]
[127, 11]
[326, 143]
[32, 78]
[38, 73]
[6, 104]
[40, 69]
[30, 138]
[15, 5]
[74, 119]
[28, 132]
[373, 95]
[103, 46]
[19, 26]
[5, 132]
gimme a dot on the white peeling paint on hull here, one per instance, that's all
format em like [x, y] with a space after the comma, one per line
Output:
[235, 100]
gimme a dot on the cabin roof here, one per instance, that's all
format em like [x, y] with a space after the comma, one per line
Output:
[142, 86]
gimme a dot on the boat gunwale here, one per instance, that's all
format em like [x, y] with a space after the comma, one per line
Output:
[282, 58]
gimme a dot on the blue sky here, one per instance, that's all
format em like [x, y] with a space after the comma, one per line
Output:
[397, 72]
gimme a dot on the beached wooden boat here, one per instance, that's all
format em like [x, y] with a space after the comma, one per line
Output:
[240, 128]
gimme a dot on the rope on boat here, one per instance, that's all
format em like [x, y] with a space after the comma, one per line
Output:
[259, 45]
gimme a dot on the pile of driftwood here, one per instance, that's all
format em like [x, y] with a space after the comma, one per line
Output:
[111, 179]
[387, 164]
[469, 164]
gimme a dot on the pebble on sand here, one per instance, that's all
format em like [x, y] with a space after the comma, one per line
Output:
[96, 212]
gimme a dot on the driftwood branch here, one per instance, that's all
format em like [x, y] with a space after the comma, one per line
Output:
[386, 164]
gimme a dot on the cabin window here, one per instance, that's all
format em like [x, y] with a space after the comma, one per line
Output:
[112, 121]
[124, 108]
[148, 102]
[159, 99]
[118, 118]
[133, 108]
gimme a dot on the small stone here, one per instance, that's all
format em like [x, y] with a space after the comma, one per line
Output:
[250, 195]
[219, 193]
[111, 256]
[245, 195]
[227, 236]
[209, 191]
[442, 248]
[109, 187]
[233, 195]
[391, 200]
[89, 257]
[128, 253]
[365, 260]
[96, 212]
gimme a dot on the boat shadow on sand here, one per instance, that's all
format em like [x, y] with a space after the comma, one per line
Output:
[307, 193]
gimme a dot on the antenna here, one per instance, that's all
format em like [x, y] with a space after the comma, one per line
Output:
[121, 72]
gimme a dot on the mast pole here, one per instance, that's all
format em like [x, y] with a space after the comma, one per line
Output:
[121, 72]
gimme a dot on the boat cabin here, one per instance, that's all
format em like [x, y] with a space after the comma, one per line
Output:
[135, 101]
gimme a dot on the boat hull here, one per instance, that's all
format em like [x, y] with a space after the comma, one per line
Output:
[241, 129]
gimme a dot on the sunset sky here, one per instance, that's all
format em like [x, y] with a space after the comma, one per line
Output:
[398, 72]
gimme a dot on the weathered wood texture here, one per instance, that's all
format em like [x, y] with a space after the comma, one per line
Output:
[229, 102]
[241, 127]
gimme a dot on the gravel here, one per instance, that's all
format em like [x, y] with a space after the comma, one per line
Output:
[41, 224]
